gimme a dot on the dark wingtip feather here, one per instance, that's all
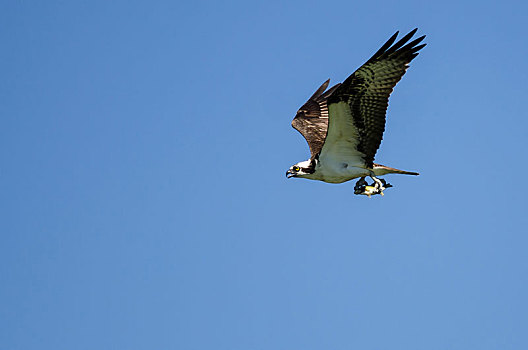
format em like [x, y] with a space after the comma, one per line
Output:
[385, 46]
[419, 47]
[402, 42]
[402, 48]
[320, 91]
[408, 49]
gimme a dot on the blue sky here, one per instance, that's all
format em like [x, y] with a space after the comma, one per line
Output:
[144, 203]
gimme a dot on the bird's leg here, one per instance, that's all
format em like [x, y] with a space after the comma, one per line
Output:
[385, 184]
[380, 184]
[377, 183]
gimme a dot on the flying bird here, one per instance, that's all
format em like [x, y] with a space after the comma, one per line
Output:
[344, 125]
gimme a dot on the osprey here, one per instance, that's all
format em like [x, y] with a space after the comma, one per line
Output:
[344, 125]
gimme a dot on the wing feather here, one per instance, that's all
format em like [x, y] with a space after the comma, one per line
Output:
[312, 119]
[367, 91]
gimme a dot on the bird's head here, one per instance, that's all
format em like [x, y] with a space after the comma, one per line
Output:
[301, 169]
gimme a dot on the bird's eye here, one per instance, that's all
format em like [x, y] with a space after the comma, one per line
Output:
[296, 168]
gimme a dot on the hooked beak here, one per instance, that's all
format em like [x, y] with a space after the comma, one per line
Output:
[289, 174]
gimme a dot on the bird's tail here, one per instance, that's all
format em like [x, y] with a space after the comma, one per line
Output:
[380, 170]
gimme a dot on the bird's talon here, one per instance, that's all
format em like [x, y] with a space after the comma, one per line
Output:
[377, 187]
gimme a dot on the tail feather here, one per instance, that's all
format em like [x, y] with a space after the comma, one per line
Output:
[382, 170]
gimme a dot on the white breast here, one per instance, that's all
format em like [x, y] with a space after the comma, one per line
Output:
[337, 172]
[340, 160]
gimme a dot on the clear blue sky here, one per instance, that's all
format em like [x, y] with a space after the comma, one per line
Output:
[144, 205]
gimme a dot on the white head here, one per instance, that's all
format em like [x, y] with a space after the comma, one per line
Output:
[301, 169]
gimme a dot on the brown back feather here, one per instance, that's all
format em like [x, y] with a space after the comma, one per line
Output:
[312, 119]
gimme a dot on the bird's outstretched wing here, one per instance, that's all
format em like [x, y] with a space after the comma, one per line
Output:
[312, 119]
[357, 107]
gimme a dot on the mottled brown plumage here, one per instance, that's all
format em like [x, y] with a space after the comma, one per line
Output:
[312, 119]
